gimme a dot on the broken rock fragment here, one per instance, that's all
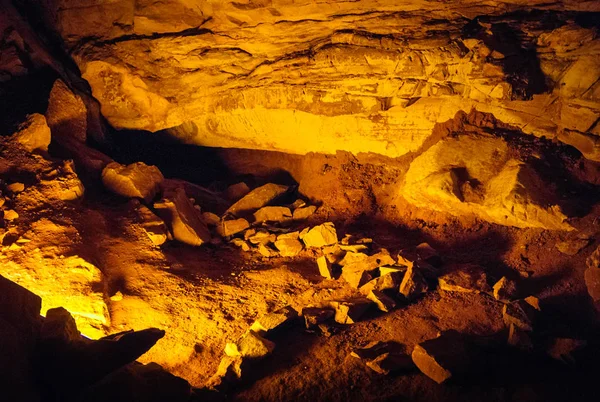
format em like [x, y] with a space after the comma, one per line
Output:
[520, 314]
[289, 247]
[230, 227]
[34, 133]
[154, 227]
[442, 358]
[505, 290]
[257, 198]
[325, 269]
[320, 236]
[236, 191]
[413, 284]
[184, 220]
[137, 180]
[381, 300]
[250, 345]
[273, 214]
[303, 212]
[351, 310]
[274, 321]
[464, 278]
[384, 357]
[314, 316]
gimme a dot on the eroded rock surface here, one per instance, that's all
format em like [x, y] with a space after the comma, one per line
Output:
[299, 76]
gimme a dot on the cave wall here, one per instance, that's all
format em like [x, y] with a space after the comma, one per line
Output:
[320, 76]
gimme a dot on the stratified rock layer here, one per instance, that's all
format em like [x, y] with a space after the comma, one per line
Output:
[304, 76]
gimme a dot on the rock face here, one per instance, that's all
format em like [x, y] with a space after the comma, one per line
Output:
[379, 74]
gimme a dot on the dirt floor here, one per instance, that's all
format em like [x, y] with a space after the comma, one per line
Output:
[207, 296]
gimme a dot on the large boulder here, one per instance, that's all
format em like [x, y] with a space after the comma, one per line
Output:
[137, 180]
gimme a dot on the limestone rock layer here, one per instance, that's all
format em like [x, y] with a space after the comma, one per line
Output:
[320, 76]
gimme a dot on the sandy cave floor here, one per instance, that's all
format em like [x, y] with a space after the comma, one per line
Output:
[204, 297]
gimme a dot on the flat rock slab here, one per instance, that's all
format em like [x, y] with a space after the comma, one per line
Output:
[257, 198]
[274, 321]
[413, 284]
[137, 180]
[289, 247]
[442, 358]
[273, 214]
[184, 220]
[230, 227]
[351, 310]
[314, 316]
[464, 278]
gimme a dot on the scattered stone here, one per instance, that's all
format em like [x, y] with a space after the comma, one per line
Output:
[34, 134]
[250, 345]
[464, 278]
[351, 258]
[505, 290]
[230, 227]
[320, 236]
[573, 247]
[229, 371]
[520, 314]
[59, 325]
[273, 214]
[289, 247]
[266, 251]
[10, 215]
[356, 276]
[185, 222]
[384, 357]
[241, 244]
[290, 235]
[155, 228]
[15, 188]
[413, 284]
[303, 213]
[334, 253]
[519, 339]
[592, 282]
[257, 198]
[210, 219]
[381, 300]
[562, 349]
[313, 316]
[533, 302]
[349, 311]
[236, 191]
[136, 180]
[66, 113]
[299, 203]
[274, 321]
[261, 237]
[354, 248]
[442, 358]
[325, 269]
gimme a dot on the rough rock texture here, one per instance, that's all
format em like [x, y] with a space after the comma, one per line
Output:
[135, 180]
[34, 133]
[299, 76]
